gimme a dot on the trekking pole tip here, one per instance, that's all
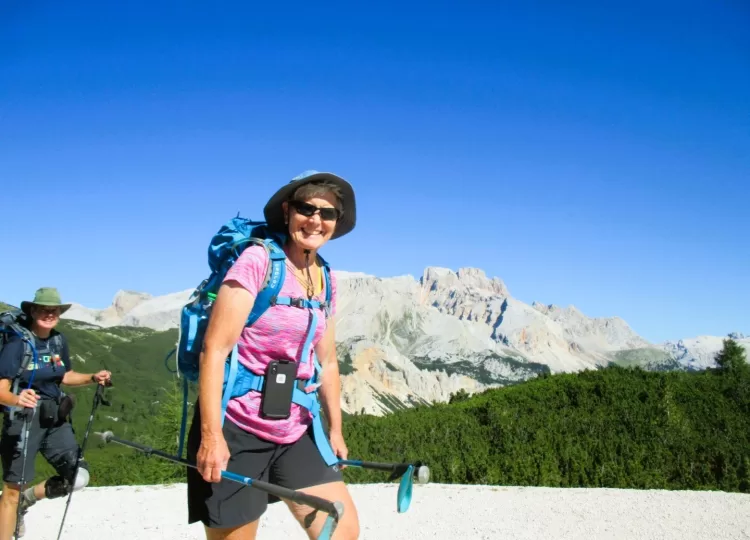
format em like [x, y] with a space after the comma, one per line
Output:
[106, 436]
[423, 474]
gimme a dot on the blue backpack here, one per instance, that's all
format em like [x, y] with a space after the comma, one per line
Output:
[225, 248]
[16, 323]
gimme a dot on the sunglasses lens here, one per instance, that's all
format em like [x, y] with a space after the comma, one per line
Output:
[328, 214]
[307, 210]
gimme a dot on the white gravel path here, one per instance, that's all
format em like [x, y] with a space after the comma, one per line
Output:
[438, 511]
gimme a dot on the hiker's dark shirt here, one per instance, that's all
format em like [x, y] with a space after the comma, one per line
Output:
[45, 374]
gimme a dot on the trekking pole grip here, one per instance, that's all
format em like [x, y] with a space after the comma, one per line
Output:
[99, 394]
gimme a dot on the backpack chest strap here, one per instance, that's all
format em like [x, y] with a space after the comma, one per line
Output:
[247, 381]
[302, 303]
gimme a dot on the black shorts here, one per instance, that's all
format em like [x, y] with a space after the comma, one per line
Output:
[231, 504]
[57, 444]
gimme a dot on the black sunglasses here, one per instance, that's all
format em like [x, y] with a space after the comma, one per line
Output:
[327, 213]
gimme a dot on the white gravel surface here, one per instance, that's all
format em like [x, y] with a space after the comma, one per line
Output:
[437, 511]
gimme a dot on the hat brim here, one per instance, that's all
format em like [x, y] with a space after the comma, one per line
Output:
[274, 212]
[26, 305]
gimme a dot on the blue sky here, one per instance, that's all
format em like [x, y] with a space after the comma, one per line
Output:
[587, 155]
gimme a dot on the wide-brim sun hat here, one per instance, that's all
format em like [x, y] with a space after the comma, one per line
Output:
[45, 296]
[274, 213]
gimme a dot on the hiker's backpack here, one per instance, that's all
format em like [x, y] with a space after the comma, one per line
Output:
[225, 248]
[16, 323]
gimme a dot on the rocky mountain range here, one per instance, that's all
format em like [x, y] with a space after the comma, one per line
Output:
[402, 340]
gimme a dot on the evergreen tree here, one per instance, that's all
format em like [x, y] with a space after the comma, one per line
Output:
[731, 358]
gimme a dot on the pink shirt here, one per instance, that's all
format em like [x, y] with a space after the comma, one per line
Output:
[279, 334]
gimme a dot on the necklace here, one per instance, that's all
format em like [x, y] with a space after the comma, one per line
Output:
[304, 279]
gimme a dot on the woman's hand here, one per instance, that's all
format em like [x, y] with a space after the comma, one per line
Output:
[213, 456]
[27, 398]
[338, 445]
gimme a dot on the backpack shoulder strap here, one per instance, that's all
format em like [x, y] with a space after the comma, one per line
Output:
[327, 278]
[29, 351]
[28, 354]
[58, 342]
[275, 274]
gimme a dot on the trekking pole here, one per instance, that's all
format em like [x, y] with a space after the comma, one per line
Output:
[421, 474]
[98, 398]
[408, 472]
[27, 430]
[335, 510]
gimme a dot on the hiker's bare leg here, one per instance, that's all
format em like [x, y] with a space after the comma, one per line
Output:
[244, 532]
[347, 528]
[8, 508]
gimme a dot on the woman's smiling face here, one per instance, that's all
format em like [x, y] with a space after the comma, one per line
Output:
[312, 221]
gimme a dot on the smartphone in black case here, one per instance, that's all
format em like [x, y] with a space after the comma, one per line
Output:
[276, 400]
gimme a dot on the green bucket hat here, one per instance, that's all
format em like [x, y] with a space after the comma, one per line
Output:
[45, 296]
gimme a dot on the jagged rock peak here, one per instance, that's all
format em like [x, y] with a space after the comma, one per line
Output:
[543, 308]
[434, 273]
[124, 301]
[555, 311]
[466, 277]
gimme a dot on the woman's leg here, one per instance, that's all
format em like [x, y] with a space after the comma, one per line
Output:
[243, 532]
[227, 509]
[347, 528]
[301, 467]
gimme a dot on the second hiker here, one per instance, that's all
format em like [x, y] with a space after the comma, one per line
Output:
[37, 413]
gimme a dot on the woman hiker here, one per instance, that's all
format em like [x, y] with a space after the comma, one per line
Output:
[306, 213]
